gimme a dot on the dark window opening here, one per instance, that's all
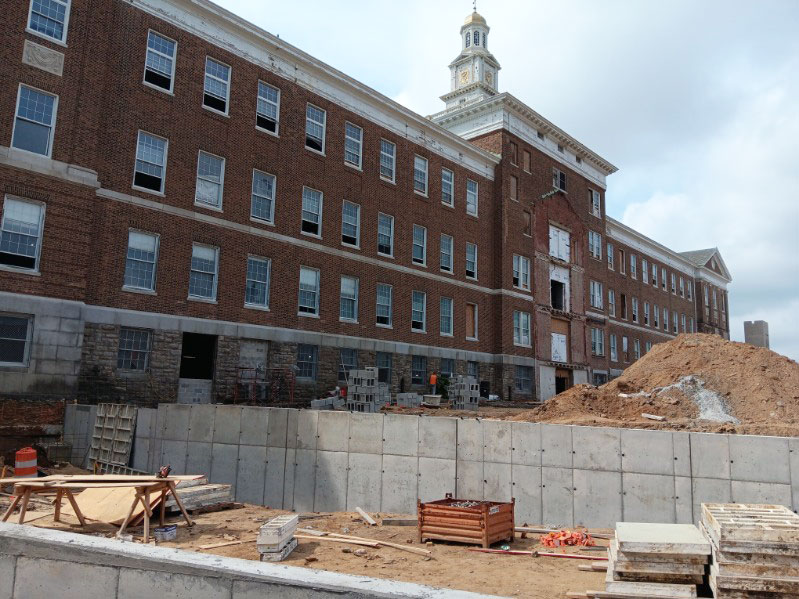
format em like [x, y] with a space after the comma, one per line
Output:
[349, 239]
[383, 362]
[214, 102]
[158, 79]
[309, 227]
[264, 122]
[315, 143]
[348, 360]
[558, 291]
[197, 356]
[600, 379]
[624, 306]
[147, 181]
[418, 370]
[8, 259]
[561, 384]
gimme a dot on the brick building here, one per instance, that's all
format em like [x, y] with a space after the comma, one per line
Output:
[213, 204]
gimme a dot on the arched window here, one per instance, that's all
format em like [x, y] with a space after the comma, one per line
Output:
[468, 38]
[485, 41]
[476, 38]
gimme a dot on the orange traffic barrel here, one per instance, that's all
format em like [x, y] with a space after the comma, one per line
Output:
[25, 462]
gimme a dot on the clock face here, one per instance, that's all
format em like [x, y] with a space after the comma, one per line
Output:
[464, 76]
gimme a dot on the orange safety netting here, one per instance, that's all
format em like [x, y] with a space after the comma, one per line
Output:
[566, 537]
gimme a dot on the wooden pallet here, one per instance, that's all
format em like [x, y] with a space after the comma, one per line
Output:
[750, 522]
[112, 436]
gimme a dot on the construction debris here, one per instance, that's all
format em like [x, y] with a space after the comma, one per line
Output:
[399, 522]
[564, 538]
[276, 538]
[366, 517]
[199, 495]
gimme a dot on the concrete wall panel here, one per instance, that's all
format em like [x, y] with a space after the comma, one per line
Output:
[470, 440]
[597, 498]
[596, 448]
[227, 424]
[710, 455]
[331, 481]
[682, 453]
[793, 448]
[401, 435]
[201, 422]
[174, 454]
[155, 454]
[436, 476]
[8, 565]
[251, 474]
[400, 484]
[140, 453]
[648, 498]
[526, 481]
[307, 421]
[224, 463]
[437, 438]
[556, 445]
[647, 452]
[754, 492]
[760, 459]
[526, 441]
[62, 579]
[498, 484]
[469, 484]
[277, 427]
[557, 496]
[254, 425]
[288, 479]
[176, 422]
[709, 490]
[364, 481]
[497, 441]
[135, 584]
[304, 479]
[683, 502]
[145, 419]
[198, 458]
[333, 429]
[292, 428]
[366, 433]
[275, 475]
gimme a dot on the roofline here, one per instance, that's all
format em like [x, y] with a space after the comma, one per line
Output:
[643, 238]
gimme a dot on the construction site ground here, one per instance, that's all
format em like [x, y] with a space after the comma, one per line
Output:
[451, 565]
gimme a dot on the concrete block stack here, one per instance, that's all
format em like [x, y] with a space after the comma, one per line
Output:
[276, 538]
[364, 393]
[464, 393]
[409, 400]
[755, 550]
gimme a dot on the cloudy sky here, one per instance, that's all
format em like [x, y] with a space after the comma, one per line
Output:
[697, 103]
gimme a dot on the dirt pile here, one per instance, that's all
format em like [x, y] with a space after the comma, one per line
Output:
[697, 382]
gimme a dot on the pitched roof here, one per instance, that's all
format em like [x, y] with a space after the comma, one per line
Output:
[699, 257]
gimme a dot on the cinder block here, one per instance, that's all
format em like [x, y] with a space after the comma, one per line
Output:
[277, 427]
[648, 497]
[307, 429]
[438, 438]
[647, 452]
[366, 433]
[683, 500]
[401, 435]
[526, 484]
[589, 485]
[333, 430]
[710, 456]
[469, 480]
[251, 474]
[470, 440]
[66, 580]
[498, 441]
[304, 479]
[557, 496]
[134, 584]
[201, 422]
[759, 459]
[400, 484]
[363, 481]
[224, 464]
[756, 492]
[497, 482]
[556, 445]
[436, 477]
[597, 448]
[526, 441]
[709, 490]
[174, 454]
[681, 442]
[275, 476]
[331, 481]
[227, 424]
[254, 425]
[198, 458]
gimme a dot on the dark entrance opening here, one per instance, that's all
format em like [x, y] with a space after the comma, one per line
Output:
[562, 380]
[557, 290]
[197, 356]
[485, 389]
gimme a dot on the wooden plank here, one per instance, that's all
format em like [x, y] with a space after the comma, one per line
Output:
[226, 544]
[407, 548]
[100, 478]
[366, 517]
[373, 544]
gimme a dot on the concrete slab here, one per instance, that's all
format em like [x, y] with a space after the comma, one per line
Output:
[400, 484]
[333, 429]
[438, 438]
[681, 443]
[176, 422]
[134, 584]
[557, 496]
[8, 564]
[556, 445]
[793, 449]
[709, 490]
[224, 464]
[307, 421]
[276, 427]
[498, 442]
[288, 479]
[145, 418]
[710, 455]
[254, 425]
[756, 492]
[470, 440]
[304, 479]
[597, 498]
[198, 458]
[364, 481]
[526, 484]
[227, 424]
[63, 579]
[469, 480]
[436, 476]
[292, 427]
[275, 473]
[251, 474]
[671, 539]
[647, 452]
[155, 454]
[683, 500]
[366, 433]
[498, 485]
[173, 453]
[401, 435]
[596, 448]
[140, 458]
[759, 459]
[201, 422]
[160, 420]
[648, 497]
[526, 441]
[331, 481]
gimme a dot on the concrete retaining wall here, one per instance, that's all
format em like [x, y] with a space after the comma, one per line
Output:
[38, 562]
[307, 460]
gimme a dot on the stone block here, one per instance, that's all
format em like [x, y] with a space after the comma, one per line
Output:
[470, 440]
[363, 481]
[198, 458]
[497, 482]
[647, 452]
[134, 584]
[63, 579]
[227, 424]
[288, 479]
[400, 484]
[681, 443]
[709, 490]
[759, 459]
[275, 477]
[498, 441]
[331, 481]
[597, 498]
[224, 464]
[254, 425]
[48, 323]
[201, 423]
[557, 496]
[68, 353]
[526, 441]
[683, 500]
[556, 445]
[436, 477]
[8, 564]
[526, 483]
[251, 474]
[401, 435]
[438, 438]
[304, 480]
[366, 433]
[648, 497]
[757, 492]
[469, 480]
[710, 456]
[173, 453]
[333, 431]
[307, 429]
[597, 448]
[176, 422]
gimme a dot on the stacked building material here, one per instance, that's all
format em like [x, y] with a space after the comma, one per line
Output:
[656, 560]
[364, 393]
[276, 538]
[409, 400]
[201, 496]
[464, 393]
[755, 550]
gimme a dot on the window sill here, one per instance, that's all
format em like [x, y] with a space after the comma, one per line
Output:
[447, 272]
[471, 278]
[348, 321]
[350, 246]
[261, 221]
[450, 206]
[472, 215]
[24, 152]
[202, 300]
[419, 332]
[137, 290]
[388, 181]
[160, 194]
[207, 206]
[276, 135]
[317, 152]
[52, 40]
[522, 345]
[307, 315]
[259, 308]
[385, 255]
[168, 92]
[419, 264]
[419, 193]
[314, 235]
[521, 289]
[354, 167]
[215, 111]
[18, 270]
[446, 335]
[13, 366]
[384, 326]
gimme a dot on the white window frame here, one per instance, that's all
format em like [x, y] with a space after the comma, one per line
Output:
[521, 329]
[675, 322]
[633, 266]
[423, 245]
[644, 271]
[682, 287]
[63, 40]
[323, 125]
[597, 342]
[611, 257]
[521, 272]
[390, 323]
[151, 288]
[611, 302]
[424, 311]
[173, 58]
[635, 307]
[308, 313]
[595, 244]
[665, 318]
[268, 262]
[276, 132]
[451, 185]
[596, 203]
[682, 322]
[654, 267]
[51, 137]
[448, 265]
[614, 348]
[354, 299]
[472, 197]
[147, 352]
[318, 234]
[690, 289]
[655, 316]
[596, 294]
[163, 166]
[466, 267]
[393, 146]
[40, 237]
[391, 235]
[227, 83]
[359, 141]
[637, 349]
[202, 298]
[271, 219]
[28, 340]
[451, 316]
[674, 283]
[198, 202]
[558, 176]
[357, 244]
[646, 313]
[418, 163]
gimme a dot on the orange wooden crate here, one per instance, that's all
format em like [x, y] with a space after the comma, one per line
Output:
[477, 522]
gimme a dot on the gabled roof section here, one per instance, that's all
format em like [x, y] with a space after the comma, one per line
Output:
[704, 259]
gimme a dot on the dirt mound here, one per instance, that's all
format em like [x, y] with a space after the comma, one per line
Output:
[697, 382]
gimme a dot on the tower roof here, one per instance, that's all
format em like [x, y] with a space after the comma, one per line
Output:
[475, 19]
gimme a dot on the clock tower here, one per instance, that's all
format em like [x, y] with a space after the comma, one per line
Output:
[473, 74]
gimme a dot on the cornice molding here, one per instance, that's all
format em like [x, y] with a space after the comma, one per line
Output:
[621, 232]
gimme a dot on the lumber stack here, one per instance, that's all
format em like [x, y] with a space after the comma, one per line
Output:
[656, 560]
[755, 550]
[276, 538]
[200, 495]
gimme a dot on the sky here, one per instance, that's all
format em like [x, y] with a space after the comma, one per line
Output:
[696, 103]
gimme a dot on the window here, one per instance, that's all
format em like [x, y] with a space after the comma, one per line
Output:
[633, 266]
[614, 354]
[559, 244]
[596, 293]
[418, 370]
[665, 319]
[471, 321]
[611, 302]
[624, 346]
[648, 347]
[383, 362]
[514, 188]
[15, 339]
[385, 234]
[446, 253]
[663, 278]
[523, 381]
[471, 261]
[471, 197]
[476, 38]
[348, 309]
[528, 223]
[654, 274]
[610, 256]
[150, 167]
[690, 290]
[210, 180]
[315, 128]
[447, 187]
[646, 313]
[468, 38]
[644, 271]
[384, 304]
[521, 272]
[353, 144]
[682, 322]
[419, 254]
[682, 287]
[217, 85]
[21, 234]
[256, 292]
[267, 112]
[637, 348]
[597, 342]
[311, 212]
[446, 316]
[388, 160]
[419, 311]
[307, 358]
[347, 360]
[514, 153]
[690, 324]
[134, 349]
[204, 271]
[141, 259]
[706, 295]
[351, 224]
[595, 244]
[595, 203]
[655, 316]
[558, 179]
[420, 175]
[473, 369]
[309, 292]
[623, 300]
[521, 328]
[673, 283]
[635, 309]
[50, 18]
[159, 65]
[674, 321]
[35, 122]
[263, 196]
[526, 160]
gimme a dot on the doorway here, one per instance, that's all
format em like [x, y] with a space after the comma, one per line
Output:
[563, 380]
[197, 356]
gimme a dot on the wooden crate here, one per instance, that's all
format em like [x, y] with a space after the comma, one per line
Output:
[466, 521]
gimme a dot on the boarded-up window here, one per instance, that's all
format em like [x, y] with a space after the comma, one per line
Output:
[514, 188]
[471, 321]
